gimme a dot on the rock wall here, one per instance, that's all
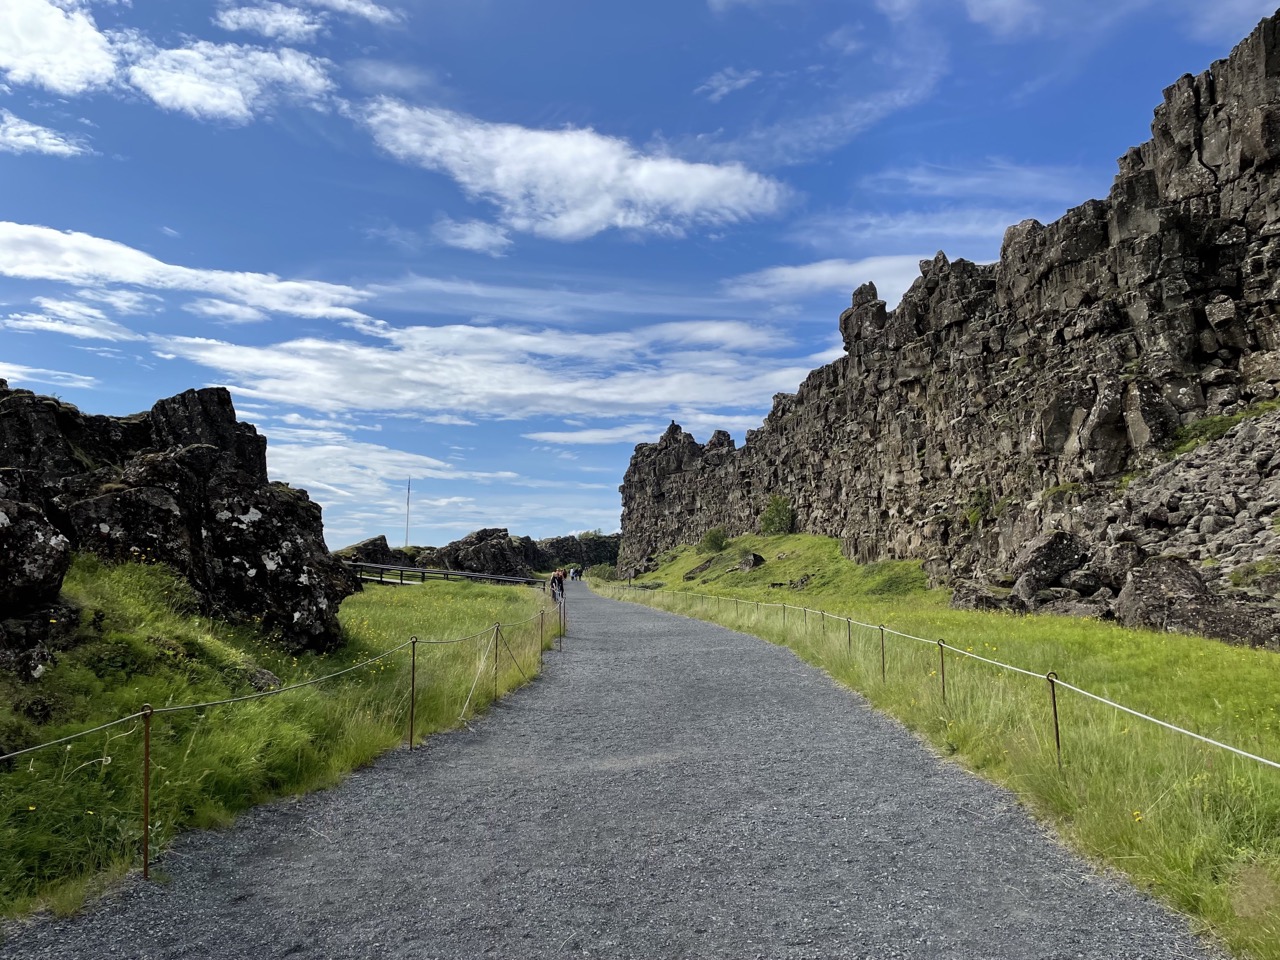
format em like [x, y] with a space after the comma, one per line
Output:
[184, 484]
[1000, 401]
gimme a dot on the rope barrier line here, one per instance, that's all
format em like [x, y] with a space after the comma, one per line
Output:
[278, 690]
[257, 696]
[1168, 726]
[74, 736]
[943, 645]
[484, 662]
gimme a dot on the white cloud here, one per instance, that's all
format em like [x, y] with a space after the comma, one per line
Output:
[170, 232]
[474, 235]
[916, 227]
[276, 21]
[55, 46]
[225, 312]
[383, 75]
[892, 277]
[720, 85]
[40, 253]
[20, 136]
[569, 184]
[1004, 16]
[913, 69]
[228, 81]
[631, 433]
[508, 372]
[365, 9]
[996, 178]
[121, 301]
[72, 318]
[18, 375]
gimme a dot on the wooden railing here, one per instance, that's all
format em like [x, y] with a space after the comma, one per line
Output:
[385, 573]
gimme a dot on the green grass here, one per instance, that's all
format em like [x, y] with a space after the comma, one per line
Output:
[1196, 825]
[1205, 429]
[70, 817]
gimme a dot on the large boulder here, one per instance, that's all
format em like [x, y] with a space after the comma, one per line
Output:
[34, 558]
[1047, 557]
[186, 485]
[1166, 593]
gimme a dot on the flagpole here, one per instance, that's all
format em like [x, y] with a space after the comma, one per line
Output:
[407, 489]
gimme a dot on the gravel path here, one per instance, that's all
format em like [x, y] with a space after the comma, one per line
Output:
[668, 789]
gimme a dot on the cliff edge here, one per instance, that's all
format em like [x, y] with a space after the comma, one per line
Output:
[1005, 401]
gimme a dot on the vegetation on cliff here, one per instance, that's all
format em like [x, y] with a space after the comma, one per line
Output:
[70, 817]
[1197, 825]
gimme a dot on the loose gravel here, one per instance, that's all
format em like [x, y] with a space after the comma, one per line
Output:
[667, 789]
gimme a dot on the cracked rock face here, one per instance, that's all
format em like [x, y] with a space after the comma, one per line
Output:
[184, 484]
[1004, 401]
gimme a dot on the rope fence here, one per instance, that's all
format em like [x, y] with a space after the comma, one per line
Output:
[943, 648]
[494, 642]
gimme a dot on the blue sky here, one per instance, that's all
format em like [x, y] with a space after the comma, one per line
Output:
[492, 245]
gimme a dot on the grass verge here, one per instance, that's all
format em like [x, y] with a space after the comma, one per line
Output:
[72, 815]
[1195, 825]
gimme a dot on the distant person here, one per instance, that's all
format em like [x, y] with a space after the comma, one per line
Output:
[557, 585]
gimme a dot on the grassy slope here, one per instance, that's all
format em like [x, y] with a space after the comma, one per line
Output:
[71, 816]
[1196, 825]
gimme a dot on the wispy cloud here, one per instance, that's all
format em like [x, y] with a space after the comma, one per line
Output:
[22, 136]
[40, 253]
[720, 85]
[225, 312]
[275, 21]
[995, 178]
[474, 235]
[569, 184]
[230, 82]
[891, 275]
[71, 318]
[631, 433]
[500, 371]
[17, 375]
[382, 76]
[363, 9]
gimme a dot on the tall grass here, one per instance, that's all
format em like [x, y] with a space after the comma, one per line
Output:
[72, 814]
[1197, 825]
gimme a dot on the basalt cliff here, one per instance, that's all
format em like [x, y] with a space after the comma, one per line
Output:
[183, 484]
[1013, 424]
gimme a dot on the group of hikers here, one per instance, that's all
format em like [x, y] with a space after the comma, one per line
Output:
[558, 578]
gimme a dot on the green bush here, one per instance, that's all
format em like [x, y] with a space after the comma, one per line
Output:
[778, 518]
[602, 571]
[713, 541]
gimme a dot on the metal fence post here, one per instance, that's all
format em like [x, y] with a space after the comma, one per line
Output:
[882, 679]
[942, 667]
[495, 662]
[413, 683]
[1051, 676]
[147, 710]
[848, 635]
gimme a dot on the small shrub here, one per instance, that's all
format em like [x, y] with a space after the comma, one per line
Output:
[602, 571]
[778, 518]
[713, 541]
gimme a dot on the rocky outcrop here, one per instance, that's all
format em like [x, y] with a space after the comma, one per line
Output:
[1000, 402]
[184, 484]
[584, 550]
[495, 551]
[376, 550]
[491, 550]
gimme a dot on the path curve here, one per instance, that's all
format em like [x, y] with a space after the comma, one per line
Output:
[669, 789]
